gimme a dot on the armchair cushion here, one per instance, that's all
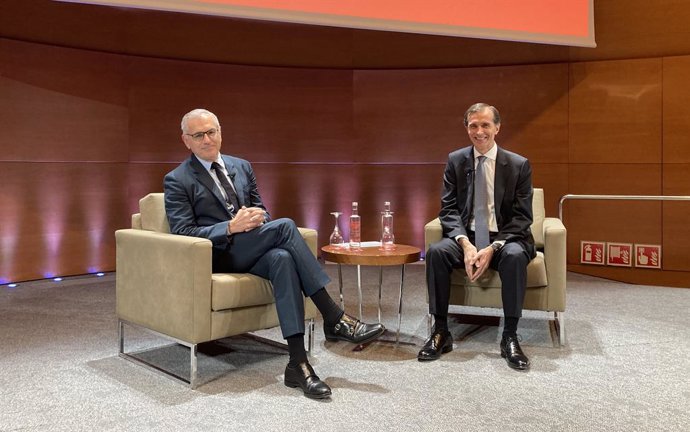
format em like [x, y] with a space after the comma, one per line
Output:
[235, 290]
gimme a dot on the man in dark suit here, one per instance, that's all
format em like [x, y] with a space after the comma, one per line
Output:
[216, 197]
[486, 213]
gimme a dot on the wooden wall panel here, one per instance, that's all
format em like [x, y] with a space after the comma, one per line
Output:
[145, 178]
[626, 29]
[408, 116]
[553, 178]
[676, 240]
[59, 218]
[417, 115]
[676, 167]
[535, 129]
[266, 114]
[615, 112]
[62, 104]
[676, 110]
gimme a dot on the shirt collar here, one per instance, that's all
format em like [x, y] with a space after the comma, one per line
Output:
[491, 154]
[208, 164]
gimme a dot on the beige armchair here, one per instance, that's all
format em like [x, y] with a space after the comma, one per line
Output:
[546, 274]
[164, 284]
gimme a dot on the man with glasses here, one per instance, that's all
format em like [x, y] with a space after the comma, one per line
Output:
[215, 196]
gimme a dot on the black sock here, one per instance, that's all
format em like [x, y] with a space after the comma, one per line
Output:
[440, 322]
[510, 326]
[296, 349]
[330, 311]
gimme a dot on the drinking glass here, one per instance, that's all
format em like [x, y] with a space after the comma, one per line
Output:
[336, 238]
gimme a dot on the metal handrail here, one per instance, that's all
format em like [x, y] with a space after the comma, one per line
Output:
[619, 197]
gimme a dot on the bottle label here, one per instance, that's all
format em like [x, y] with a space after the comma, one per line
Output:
[355, 232]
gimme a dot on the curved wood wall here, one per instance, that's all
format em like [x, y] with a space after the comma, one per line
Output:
[92, 98]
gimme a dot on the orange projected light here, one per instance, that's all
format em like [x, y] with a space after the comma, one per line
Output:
[563, 22]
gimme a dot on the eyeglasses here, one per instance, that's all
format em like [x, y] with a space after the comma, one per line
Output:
[199, 136]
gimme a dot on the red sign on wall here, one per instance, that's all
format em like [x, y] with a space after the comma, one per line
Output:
[592, 252]
[619, 254]
[648, 256]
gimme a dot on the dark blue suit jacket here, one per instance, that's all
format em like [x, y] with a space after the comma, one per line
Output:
[195, 205]
[512, 196]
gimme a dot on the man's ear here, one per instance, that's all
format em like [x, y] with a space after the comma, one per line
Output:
[185, 142]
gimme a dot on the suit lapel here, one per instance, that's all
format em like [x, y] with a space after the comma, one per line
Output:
[500, 182]
[205, 179]
[237, 181]
[468, 170]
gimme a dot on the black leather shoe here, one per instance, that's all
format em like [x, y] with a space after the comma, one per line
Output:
[511, 351]
[439, 343]
[353, 330]
[303, 376]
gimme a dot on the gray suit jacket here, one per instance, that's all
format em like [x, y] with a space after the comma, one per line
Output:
[512, 196]
[196, 207]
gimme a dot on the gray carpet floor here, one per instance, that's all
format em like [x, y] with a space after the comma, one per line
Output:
[625, 367]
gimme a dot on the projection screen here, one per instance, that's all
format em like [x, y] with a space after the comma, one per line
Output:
[559, 22]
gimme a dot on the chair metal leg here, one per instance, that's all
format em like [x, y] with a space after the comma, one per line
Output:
[193, 353]
[310, 337]
[191, 381]
[120, 337]
[359, 289]
[340, 286]
[560, 327]
[400, 301]
[380, 284]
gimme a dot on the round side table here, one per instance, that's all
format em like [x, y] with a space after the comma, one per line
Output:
[372, 256]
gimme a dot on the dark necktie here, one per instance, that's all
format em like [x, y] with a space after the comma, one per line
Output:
[481, 207]
[233, 203]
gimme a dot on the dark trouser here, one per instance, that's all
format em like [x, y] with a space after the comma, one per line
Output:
[510, 262]
[276, 251]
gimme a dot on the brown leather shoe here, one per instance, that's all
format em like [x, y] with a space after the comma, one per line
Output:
[439, 343]
[352, 330]
[511, 351]
[303, 376]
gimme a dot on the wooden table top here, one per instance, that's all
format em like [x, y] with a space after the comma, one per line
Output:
[372, 255]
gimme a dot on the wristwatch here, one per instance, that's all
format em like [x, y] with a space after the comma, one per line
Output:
[496, 246]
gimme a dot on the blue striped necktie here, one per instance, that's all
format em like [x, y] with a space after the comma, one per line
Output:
[481, 207]
[233, 203]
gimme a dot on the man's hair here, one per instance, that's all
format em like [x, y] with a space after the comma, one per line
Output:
[199, 112]
[478, 107]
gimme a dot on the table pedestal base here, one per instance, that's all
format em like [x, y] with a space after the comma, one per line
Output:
[359, 293]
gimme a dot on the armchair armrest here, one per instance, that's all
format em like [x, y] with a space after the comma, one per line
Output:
[433, 232]
[310, 236]
[555, 261]
[164, 282]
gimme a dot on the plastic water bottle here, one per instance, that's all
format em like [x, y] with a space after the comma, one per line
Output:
[387, 237]
[355, 227]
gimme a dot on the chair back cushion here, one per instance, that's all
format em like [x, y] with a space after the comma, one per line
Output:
[538, 214]
[153, 217]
